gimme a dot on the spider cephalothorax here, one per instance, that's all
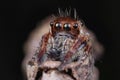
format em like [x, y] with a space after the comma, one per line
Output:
[66, 38]
[67, 25]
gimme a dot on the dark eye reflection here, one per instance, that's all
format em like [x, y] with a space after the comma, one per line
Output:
[75, 25]
[51, 24]
[58, 25]
[67, 27]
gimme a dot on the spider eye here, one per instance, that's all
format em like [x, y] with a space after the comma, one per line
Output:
[82, 23]
[75, 25]
[58, 25]
[67, 27]
[51, 24]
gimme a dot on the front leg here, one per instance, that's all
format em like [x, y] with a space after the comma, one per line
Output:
[33, 65]
[32, 69]
[43, 45]
[78, 43]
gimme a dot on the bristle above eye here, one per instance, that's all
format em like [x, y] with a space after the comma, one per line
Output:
[68, 12]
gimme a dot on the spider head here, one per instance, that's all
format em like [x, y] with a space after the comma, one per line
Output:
[66, 24]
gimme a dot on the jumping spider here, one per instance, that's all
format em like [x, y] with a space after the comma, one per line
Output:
[68, 42]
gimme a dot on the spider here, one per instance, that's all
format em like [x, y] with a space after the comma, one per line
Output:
[72, 29]
[67, 41]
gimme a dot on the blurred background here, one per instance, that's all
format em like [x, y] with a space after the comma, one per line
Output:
[19, 17]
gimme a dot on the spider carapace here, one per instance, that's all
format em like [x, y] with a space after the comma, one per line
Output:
[64, 31]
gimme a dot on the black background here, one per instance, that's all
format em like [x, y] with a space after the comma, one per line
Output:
[18, 18]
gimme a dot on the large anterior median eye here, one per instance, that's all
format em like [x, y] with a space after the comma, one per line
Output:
[67, 27]
[58, 25]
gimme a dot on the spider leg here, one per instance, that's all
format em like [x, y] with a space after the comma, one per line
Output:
[75, 47]
[43, 45]
[32, 65]
[32, 69]
[73, 50]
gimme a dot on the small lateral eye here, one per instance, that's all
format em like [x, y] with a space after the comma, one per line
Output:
[58, 25]
[82, 22]
[75, 25]
[67, 27]
[51, 24]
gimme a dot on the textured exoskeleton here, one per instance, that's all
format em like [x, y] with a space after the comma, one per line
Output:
[69, 48]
